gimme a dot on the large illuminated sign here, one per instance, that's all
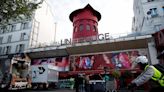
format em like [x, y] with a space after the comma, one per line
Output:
[99, 37]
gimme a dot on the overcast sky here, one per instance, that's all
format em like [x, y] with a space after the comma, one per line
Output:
[116, 15]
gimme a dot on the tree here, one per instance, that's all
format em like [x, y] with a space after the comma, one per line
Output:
[17, 9]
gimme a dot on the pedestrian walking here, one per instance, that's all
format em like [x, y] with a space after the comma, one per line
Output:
[79, 83]
[110, 83]
[87, 84]
[76, 84]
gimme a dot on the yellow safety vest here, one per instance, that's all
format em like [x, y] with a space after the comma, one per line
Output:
[158, 76]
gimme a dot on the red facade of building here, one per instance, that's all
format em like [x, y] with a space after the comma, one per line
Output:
[85, 23]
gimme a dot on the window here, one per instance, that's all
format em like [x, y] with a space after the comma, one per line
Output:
[6, 50]
[94, 28]
[9, 38]
[13, 28]
[6, 29]
[81, 27]
[163, 9]
[152, 12]
[20, 48]
[24, 25]
[3, 29]
[150, 0]
[1, 40]
[22, 36]
[88, 27]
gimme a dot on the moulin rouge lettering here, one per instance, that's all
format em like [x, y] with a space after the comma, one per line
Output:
[99, 37]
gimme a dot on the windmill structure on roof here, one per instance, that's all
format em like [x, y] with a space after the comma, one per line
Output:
[85, 24]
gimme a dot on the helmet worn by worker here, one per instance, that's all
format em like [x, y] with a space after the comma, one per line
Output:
[141, 59]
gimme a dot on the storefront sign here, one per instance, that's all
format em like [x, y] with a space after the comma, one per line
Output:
[99, 37]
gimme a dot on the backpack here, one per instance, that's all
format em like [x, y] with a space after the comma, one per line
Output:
[160, 67]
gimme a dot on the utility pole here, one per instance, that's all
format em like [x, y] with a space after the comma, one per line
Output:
[55, 32]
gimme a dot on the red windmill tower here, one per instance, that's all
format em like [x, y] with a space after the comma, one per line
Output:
[85, 24]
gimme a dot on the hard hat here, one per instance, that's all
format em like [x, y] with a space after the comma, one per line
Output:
[141, 59]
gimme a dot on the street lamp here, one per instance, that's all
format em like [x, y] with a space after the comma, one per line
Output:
[55, 32]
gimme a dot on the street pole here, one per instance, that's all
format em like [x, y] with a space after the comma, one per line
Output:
[55, 32]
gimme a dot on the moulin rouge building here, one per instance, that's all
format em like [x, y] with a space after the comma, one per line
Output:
[89, 52]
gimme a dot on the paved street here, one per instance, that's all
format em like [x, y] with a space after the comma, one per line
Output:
[68, 90]
[49, 90]
[64, 90]
[54, 90]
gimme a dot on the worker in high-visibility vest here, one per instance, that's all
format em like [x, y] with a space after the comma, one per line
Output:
[149, 73]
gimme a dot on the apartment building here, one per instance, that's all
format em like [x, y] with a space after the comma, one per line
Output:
[17, 36]
[148, 16]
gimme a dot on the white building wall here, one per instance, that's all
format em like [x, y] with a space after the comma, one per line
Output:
[144, 22]
[43, 16]
[138, 16]
[15, 37]
[13, 46]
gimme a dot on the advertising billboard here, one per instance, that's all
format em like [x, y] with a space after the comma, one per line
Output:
[39, 73]
[112, 60]
[60, 62]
